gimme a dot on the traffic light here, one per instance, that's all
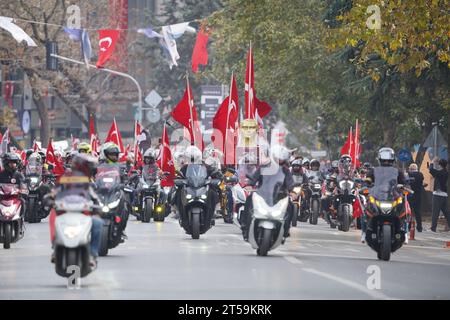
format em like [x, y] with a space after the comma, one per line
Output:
[52, 62]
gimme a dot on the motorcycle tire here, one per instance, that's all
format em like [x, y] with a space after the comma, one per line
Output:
[314, 212]
[385, 248]
[346, 219]
[195, 226]
[71, 258]
[7, 236]
[147, 212]
[295, 216]
[103, 249]
[265, 243]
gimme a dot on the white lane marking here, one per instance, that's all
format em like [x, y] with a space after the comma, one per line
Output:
[293, 260]
[372, 293]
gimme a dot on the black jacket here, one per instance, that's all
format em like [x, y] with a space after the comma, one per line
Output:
[12, 177]
[417, 184]
[440, 178]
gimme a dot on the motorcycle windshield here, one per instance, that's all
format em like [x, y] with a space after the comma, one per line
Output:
[149, 175]
[316, 176]
[271, 184]
[33, 168]
[385, 183]
[107, 176]
[196, 175]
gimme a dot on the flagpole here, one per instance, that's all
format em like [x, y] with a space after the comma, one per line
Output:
[190, 108]
[163, 147]
[249, 80]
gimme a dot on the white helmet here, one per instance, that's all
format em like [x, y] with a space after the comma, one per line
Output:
[193, 154]
[151, 153]
[280, 153]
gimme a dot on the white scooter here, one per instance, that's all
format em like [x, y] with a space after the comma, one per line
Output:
[267, 225]
[73, 235]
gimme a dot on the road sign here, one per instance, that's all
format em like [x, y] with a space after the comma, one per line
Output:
[26, 122]
[318, 153]
[153, 99]
[153, 116]
[404, 155]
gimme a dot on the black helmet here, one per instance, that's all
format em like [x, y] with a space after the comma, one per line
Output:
[8, 158]
[29, 152]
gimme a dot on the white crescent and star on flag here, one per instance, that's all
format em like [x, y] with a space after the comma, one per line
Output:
[102, 40]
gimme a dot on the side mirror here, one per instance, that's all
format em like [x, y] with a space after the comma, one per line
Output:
[179, 182]
[232, 179]
[215, 182]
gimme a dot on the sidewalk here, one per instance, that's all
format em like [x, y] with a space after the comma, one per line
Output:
[434, 239]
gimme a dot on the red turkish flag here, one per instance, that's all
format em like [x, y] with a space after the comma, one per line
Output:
[56, 162]
[165, 161]
[226, 122]
[107, 42]
[115, 136]
[348, 144]
[125, 155]
[200, 53]
[355, 150]
[183, 112]
[249, 87]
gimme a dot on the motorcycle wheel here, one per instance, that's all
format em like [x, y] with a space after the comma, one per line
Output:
[103, 249]
[295, 215]
[147, 212]
[314, 212]
[265, 243]
[195, 226]
[346, 219]
[71, 258]
[385, 248]
[7, 236]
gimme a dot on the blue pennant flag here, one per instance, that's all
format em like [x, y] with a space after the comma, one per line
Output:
[74, 34]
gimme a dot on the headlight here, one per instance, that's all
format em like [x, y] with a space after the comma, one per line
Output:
[105, 209]
[297, 189]
[189, 196]
[385, 205]
[203, 196]
[114, 204]
[34, 180]
[72, 231]
[145, 186]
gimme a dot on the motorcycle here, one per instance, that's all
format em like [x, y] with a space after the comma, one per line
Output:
[11, 223]
[344, 199]
[296, 197]
[196, 217]
[315, 191]
[151, 204]
[267, 223]
[114, 206]
[387, 214]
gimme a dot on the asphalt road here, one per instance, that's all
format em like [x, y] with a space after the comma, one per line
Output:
[159, 261]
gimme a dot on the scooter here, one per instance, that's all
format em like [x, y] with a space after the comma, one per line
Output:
[11, 223]
[267, 225]
[72, 234]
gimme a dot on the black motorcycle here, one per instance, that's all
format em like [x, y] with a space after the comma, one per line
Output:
[38, 186]
[315, 192]
[114, 207]
[196, 214]
[343, 204]
[151, 199]
[386, 213]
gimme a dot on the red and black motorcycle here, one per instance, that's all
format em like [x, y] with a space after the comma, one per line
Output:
[11, 222]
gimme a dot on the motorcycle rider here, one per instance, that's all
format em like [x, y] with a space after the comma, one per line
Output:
[12, 175]
[193, 155]
[84, 165]
[386, 158]
[280, 155]
[109, 154]
[298, 175]
[305, 165]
